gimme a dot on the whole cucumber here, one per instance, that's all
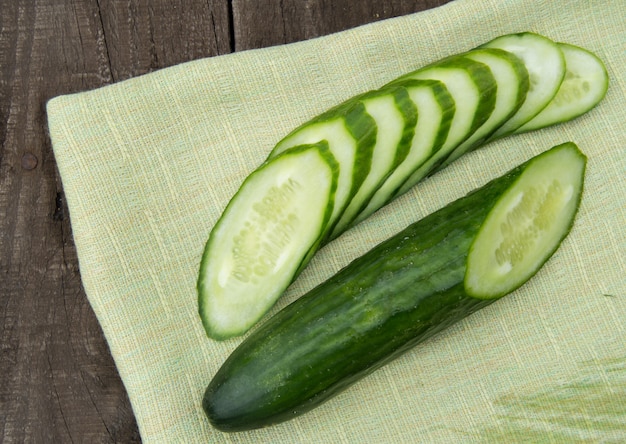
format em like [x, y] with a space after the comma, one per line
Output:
[400, 293]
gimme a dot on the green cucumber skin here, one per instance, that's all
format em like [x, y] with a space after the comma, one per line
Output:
[523, 85]
[446, 102]
[348, 326]
[448, 108]
[363, 129]
[480, 74]
[408, 110]
[358, 122]
[485, 83]
[448, 105]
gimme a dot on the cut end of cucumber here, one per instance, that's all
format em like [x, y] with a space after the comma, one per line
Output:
[527, 224]
[253, 253]
[585, 84]
[545, 64]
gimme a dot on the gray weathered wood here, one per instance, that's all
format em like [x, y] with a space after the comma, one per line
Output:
[58, 381]
[259, 24]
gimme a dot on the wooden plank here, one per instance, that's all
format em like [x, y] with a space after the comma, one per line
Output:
[42, 354]
[262, 23]
[59, 382]
[144, 35]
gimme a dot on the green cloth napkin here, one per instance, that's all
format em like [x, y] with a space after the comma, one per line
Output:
[149, 163]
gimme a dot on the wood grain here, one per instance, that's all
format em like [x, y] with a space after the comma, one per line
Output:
[58, 381]
[259, 24]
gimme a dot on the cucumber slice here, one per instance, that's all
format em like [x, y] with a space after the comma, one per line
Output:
[395, 116]
[545, 64]
[399, 294]
[435, 111]
[473, 88]
[512, 86]
[527, 224]
[584, 86]
[351, 134]
[269, 227]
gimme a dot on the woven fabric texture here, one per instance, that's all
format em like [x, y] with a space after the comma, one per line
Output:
[149, 163]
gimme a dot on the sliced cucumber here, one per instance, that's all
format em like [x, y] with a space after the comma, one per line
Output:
[584, 86]
[435, 111]
[461, 102]
[527, 224]
[399, 294]
[512, 82]
[278, 215]
[474, 89]
[545, 64]
[351, 134]
[395, 115]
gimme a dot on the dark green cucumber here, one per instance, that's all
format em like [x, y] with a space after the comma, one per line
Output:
[400, 293]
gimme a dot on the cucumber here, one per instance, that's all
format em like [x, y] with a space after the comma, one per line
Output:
[381, 143]
[395, 115]
[474, 90]
[351, 134]
[264, 237]
[435, 111]
[585, 84]
[432, 274]
[512, 83]
[545, 64]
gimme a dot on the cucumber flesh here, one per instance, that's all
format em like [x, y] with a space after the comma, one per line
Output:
[527, 224]
[584, 86]
[269, 227]
[351, 134]
[473, 88]
[545, 63]
[399, 294]
[344, 148]
[435, 111]
[395, 116]
[512, 86]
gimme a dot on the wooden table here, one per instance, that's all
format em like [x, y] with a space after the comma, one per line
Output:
[58, 382]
